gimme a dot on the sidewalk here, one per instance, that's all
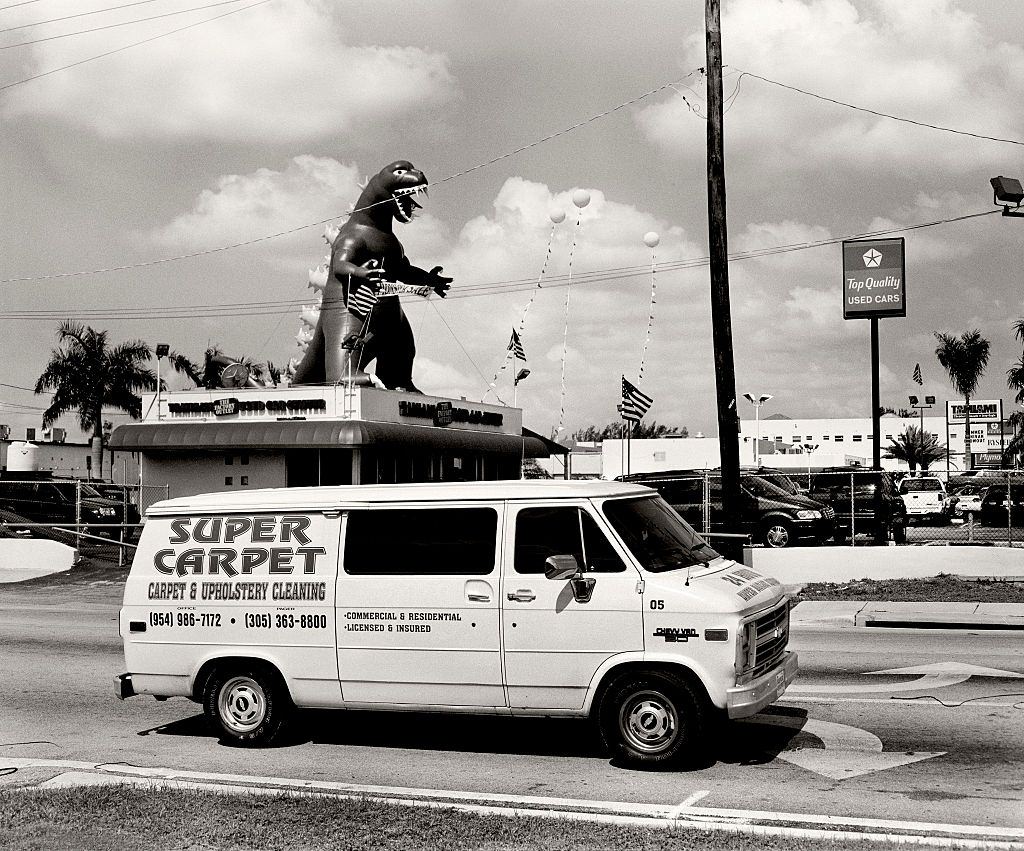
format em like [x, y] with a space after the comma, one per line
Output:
[814, 614]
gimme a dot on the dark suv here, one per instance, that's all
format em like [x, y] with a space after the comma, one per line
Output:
[53, 501]
[875, 508]
[998, 510]
[768, 513]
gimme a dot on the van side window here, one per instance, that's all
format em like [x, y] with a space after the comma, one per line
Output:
[421, 542]
[545, 532]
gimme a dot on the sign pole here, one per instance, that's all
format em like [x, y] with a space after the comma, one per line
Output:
[876, 403]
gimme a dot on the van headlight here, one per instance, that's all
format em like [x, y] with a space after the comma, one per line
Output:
[808, 514]
[747, 643]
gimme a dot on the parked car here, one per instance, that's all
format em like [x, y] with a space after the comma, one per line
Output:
[54, 501]
[968, 500]
[1000, 509]
[768, 514]
[874, 508]
[925, 499]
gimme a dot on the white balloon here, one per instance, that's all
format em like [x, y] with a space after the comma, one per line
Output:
[557, 216]
[651, 239]
[581, 198]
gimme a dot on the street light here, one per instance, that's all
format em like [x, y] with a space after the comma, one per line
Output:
[757, 402]
[162, 351]
[1008, 194]
[929, 401]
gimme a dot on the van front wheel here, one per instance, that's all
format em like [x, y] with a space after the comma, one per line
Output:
[247, 706]
[651, 719]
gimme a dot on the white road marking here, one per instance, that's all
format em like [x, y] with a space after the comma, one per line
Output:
[699, 818]
[936, 675]
[689, 802]
[848, 752]
[1011, 699]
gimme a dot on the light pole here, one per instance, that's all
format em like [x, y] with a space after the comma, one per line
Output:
[757, 402]
[929, 401]
[162, 351]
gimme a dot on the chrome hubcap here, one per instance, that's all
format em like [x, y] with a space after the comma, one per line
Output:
[242, 704]
[778, 536]
[648, 722]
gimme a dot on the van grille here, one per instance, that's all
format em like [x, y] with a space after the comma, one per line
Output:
[771, 637]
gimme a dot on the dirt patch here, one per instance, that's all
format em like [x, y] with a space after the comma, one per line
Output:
[936, 589]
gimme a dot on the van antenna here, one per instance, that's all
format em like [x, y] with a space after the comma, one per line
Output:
[687, 582]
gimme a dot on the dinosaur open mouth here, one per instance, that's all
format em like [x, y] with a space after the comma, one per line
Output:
[406, 203]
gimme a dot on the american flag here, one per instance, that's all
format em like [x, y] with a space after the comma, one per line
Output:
[362, 299]
[634, 403]
[917, 374]
[515, 345]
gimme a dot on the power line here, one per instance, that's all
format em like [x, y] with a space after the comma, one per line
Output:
[15, 5]
[125, 47]
[120, 24]
[876, 112]
[76, 15]
[17, 387]
[482, 289]
[208, 251]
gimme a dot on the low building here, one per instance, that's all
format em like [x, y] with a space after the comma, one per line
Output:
[201, 441]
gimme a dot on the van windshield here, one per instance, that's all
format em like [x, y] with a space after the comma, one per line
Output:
[656, 536]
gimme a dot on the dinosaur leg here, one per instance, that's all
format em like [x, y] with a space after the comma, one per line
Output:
[394, 346]
[340, 325]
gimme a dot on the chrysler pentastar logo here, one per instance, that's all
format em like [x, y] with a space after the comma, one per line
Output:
[872, 258]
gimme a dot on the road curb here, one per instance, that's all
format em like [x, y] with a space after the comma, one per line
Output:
[811, 614]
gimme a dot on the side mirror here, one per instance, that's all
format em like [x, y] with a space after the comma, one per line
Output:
[566, 567]
[560, 567]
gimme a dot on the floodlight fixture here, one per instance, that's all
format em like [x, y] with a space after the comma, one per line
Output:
[757, 402]
[1008, 194]
[913, 400]
[929, 400]
[162, 350]
[760, 400]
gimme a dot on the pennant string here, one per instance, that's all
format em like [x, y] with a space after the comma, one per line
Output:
[650, 318]
[565, 330]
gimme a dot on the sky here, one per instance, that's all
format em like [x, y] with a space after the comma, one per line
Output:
[128, 179]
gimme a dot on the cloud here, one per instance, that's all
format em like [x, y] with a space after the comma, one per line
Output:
[922, 59]
[277, 73]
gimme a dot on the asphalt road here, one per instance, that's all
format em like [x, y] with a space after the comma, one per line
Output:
[813, 753]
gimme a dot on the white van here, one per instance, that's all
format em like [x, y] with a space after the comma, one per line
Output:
[506, 597]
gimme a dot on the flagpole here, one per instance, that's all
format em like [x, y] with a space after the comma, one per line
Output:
[515, 379]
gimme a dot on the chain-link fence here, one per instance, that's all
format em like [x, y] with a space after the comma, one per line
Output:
[97, 518]
[853, 506]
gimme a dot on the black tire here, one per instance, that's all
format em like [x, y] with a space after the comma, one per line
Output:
[777, 534]
[652, 720]
[246, 704]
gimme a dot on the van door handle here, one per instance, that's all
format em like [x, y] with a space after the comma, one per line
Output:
[523, 595]
[478, 598]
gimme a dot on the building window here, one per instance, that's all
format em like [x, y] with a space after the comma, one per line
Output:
[778, 438]
[888, 437]
[245, 480]
[824, 437]
[857, 438]
[229, 480]
[228, 460]
[244, 460]
[839, 438]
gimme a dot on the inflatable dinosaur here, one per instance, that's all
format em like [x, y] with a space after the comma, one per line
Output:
[361, 318]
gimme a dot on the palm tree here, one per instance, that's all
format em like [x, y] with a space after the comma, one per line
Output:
[916, 447]
[964, 358]
[1015, 381]
[86, 375]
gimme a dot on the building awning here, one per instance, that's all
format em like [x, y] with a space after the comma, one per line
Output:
[551, 446]
[316, 434]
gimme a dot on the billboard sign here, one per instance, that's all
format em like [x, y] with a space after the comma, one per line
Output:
[982, 411]
[874, 278]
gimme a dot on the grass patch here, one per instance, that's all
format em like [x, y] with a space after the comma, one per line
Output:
[84, 572]
[126, 819]
[936, 589]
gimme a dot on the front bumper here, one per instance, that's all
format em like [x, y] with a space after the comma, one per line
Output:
[123, 687]
[819, 530]
[750, 698]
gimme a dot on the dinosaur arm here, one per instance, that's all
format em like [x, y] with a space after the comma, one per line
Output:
[348, 258]
[417, 277]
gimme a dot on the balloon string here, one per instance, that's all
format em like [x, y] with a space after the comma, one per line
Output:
[565, 330]
[522, 319]
[650, 318]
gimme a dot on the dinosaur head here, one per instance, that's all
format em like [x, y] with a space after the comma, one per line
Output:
[398, 182]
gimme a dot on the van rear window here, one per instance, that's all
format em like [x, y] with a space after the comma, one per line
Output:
[421, 542]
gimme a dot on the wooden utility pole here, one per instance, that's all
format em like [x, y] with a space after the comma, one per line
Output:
[721, 315]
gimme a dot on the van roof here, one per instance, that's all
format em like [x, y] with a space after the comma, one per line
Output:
[296, 499]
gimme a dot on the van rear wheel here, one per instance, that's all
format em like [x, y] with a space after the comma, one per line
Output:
[246, 705]
[652, 719]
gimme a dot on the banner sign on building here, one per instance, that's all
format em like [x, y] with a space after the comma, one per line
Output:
[874, 278]
[982, 411]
